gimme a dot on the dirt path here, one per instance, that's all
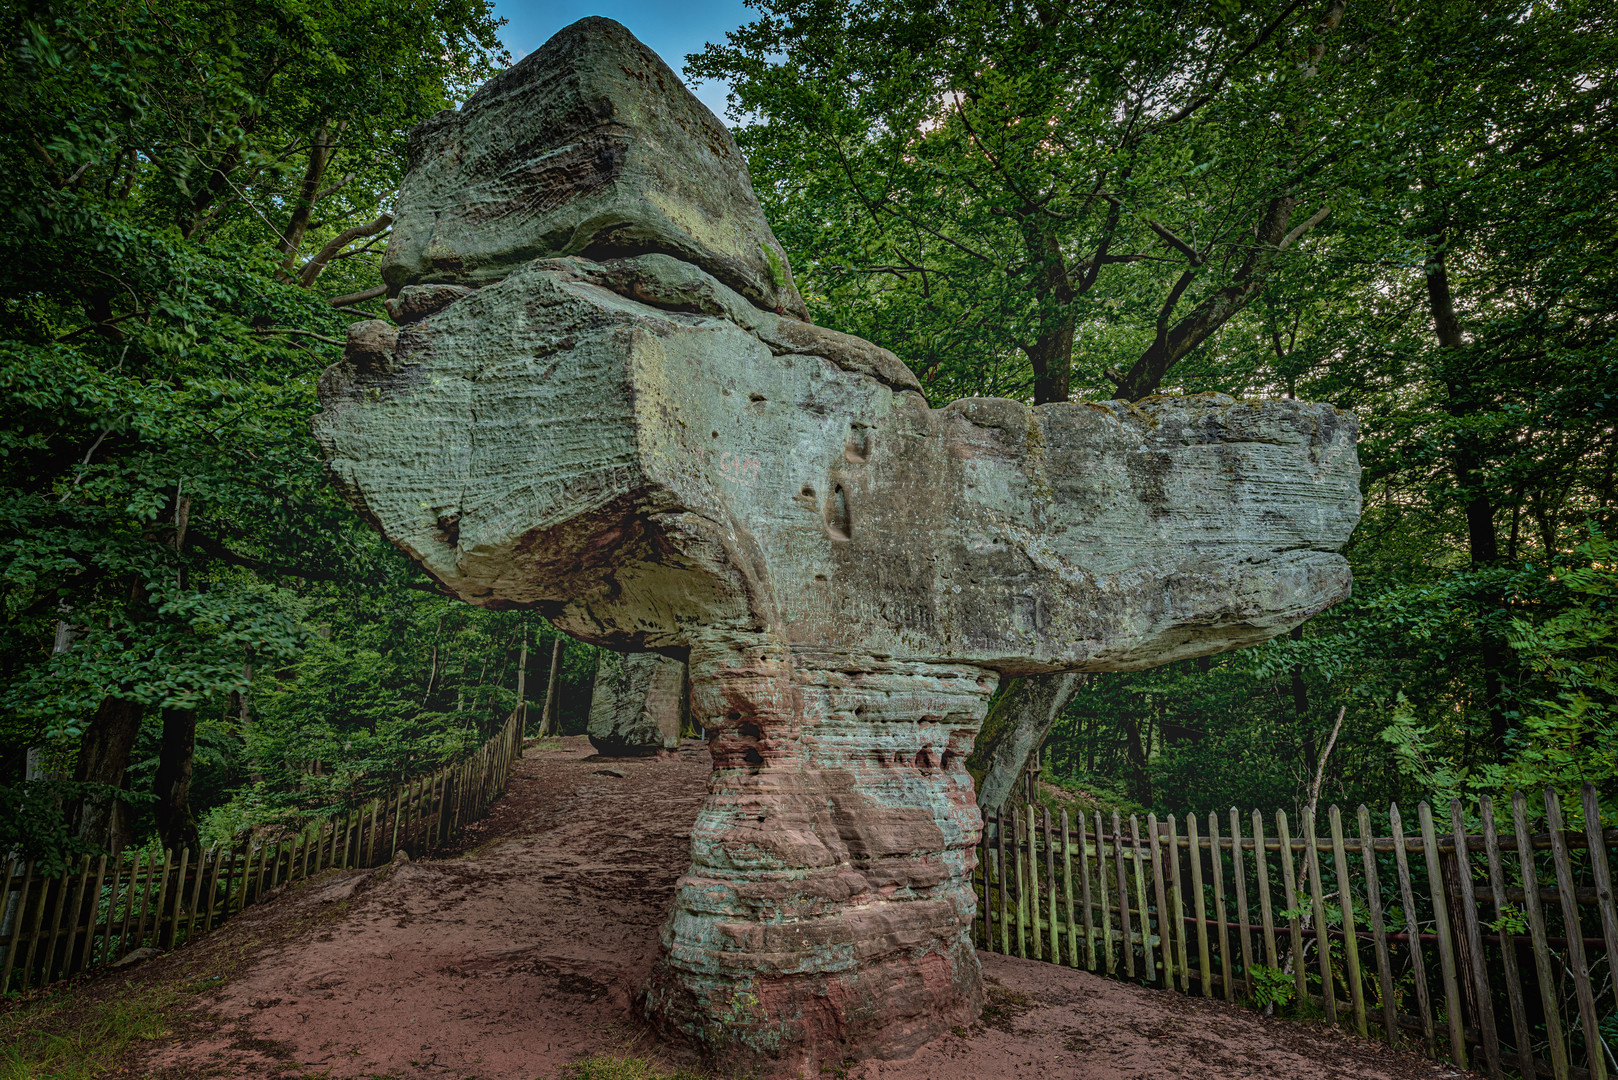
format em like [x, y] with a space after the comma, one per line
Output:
[511, 961]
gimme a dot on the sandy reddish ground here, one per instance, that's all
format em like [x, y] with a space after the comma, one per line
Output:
[521, 954]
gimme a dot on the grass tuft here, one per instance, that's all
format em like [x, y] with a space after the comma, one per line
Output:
[36, 1044]
[607, 1067]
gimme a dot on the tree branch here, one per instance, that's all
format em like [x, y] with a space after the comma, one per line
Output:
[358, 297]
[1219, 82]
[303, 333]
[311, 269]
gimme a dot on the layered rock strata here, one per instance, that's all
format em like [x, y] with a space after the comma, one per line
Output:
[638, 703]
[658, 461]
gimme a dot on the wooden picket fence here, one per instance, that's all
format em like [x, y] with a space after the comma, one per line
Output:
[1471, 944]
[52, 928]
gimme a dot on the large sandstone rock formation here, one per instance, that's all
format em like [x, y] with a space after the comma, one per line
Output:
[657, 459]
[638, 704]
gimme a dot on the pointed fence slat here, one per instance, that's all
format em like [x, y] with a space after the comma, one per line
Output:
[1265, 905]
[1446, 949]
[1576, 961]
[1379, 933]
[1106, 898]
[1177, 914]
[1055, 953]
[1243, 918]
[1165, 927]
[1560, 1064]
[1289, 882]
[1199, 905]
[1140, 898]
[1125, 934]
[1413, 932]
[1601, 871]
[1522, 1039]
[1379, 929]
[1218, 862]
[1000, 875]
[1474, 938]
[1067, 888]
[1317, 907]
[1089, 912]
[1345, 898]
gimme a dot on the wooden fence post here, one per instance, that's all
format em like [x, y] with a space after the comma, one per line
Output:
[1242, 916]
[1345, 898]
[1379, 934]
[1536, 930]
[1521, 1036]
[1446, 951]
[1576, 962]
[1311, 851]
[1226, 975]
[1289, 883]
[1199, 906]
[1474, 938]
[1418, 963]
[1165, 940]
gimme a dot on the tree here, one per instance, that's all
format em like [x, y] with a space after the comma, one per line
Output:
[166, 169]
[1402, 212]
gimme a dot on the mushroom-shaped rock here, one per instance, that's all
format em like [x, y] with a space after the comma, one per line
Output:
[657, 461]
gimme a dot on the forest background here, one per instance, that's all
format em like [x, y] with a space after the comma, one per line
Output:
[1405, 210]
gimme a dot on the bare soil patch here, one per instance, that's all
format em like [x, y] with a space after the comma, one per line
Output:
[523, 953]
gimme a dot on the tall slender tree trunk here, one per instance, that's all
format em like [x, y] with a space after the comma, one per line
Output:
[549, 723]
[1483, 542]
[1051, 354]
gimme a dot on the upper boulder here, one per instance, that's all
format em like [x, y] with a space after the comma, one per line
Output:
[589, 146]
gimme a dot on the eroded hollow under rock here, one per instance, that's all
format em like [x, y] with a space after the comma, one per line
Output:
[645, 443]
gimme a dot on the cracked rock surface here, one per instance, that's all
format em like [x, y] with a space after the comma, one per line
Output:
[654, 457]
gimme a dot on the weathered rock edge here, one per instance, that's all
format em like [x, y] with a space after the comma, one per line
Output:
[589, 145]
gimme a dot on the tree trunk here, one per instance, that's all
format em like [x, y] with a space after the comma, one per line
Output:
[172, 784]
[1140, 777]
[1051, 354]
[1016, 727]
[1482, 540]
[103, 821]
[549, 724]
[320, 152]
[1271, 236]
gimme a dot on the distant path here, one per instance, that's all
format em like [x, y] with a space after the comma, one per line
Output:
[510, 962]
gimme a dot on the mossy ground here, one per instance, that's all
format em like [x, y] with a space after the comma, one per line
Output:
[68, 1035]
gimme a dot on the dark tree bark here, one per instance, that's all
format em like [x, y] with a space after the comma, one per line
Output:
[1051, 354]
[1483, 542]
[103, 756]
[320, 154]
[172, 784]
[1140, 777]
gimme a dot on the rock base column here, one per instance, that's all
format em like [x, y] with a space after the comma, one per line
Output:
[827, 912]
